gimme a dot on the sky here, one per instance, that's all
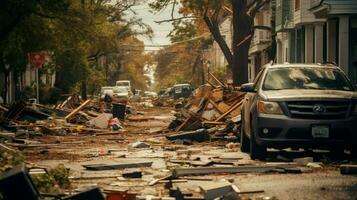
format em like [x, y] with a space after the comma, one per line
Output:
[160, 30]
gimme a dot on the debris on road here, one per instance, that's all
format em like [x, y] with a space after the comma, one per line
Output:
[212, 190]
[98, 167]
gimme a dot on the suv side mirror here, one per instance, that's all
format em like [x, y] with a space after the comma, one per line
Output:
[247, 87]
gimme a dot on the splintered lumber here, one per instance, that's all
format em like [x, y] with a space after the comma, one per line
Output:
[218, 81]
[6, 148]
[211, 84]
[75, 111]
[215, 106]
[235, 106]
[213, 123]
[97, 167]
[178, 172]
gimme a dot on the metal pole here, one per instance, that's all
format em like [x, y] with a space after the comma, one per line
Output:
[37, 90]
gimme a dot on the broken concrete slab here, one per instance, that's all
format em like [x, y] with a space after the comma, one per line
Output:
[314, 165]
[132, 174]
[101, 121]
[199, 135]
[212, 190]
[178, 172]
[117, 166]
[138, 145]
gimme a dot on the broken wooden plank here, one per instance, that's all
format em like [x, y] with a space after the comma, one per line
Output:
[98, 167]
[153, 182]
[236, 105]
[215, 106]
[75, 111]
[178, 172]
[6, 148]
[213, 123]
[218, 81]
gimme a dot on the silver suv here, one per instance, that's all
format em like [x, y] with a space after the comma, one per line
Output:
[299, 105]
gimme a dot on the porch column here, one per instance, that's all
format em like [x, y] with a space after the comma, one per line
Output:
[309, 45]
[331, 41]
[319, 43]
[343, 46]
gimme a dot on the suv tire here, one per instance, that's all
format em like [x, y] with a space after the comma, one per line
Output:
[257, 151]
[244, 140]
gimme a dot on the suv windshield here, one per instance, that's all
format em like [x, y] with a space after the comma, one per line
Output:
[306, 78]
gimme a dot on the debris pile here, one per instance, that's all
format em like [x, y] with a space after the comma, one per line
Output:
[70, 116]
[209, 106]
[210, 113]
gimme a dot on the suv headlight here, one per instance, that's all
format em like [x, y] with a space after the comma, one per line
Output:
[269, 107]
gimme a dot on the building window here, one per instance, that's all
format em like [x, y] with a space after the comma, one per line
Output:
[297, 5]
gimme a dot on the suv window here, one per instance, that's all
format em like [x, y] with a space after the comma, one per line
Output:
[306, 78]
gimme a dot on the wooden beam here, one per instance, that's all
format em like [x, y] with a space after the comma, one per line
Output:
[215, 106]
[75, 111]
[215, 78]
[236, 105]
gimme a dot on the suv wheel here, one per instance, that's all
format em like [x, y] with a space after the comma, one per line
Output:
[257, 151]
[244, 140]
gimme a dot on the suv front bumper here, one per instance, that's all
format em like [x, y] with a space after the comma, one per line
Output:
[280, 131]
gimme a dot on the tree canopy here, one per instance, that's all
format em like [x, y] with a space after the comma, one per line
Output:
[212, 13]
[83, 38]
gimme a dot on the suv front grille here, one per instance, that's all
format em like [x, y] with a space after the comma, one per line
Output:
[318, 109]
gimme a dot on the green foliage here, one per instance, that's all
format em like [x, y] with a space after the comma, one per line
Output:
[182, 30]
[54, 181]
[10, 159]
[61, 176]
[45, 183]
[79, 35]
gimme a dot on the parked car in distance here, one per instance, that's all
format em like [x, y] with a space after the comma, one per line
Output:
[106, 90]
[299, 106]
[150, 94]
[121, 91]
[124, 83]
[181, 90]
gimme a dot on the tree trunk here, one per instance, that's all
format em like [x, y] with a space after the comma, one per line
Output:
[84, 90]
[242, 29]
[6, 86]
[216, 33]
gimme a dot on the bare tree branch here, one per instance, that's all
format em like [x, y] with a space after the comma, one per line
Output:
[173, 9]
[175, 19]
[258, 6]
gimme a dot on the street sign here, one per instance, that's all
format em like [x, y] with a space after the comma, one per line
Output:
[37, 59]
